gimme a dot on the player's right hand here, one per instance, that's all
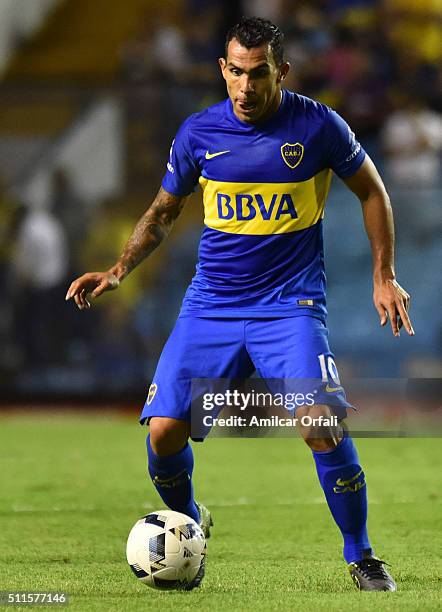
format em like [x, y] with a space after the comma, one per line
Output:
[93, 283]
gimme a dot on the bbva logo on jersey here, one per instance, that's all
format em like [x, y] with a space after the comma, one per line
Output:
[246, 206]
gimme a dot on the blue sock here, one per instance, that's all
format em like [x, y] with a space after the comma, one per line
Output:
[343, 482]
[172, 477]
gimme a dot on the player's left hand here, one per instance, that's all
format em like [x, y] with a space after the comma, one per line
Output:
[392, 302]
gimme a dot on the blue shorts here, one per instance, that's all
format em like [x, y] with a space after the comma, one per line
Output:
[284, 348]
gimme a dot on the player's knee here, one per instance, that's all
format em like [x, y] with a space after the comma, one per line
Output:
[167, 436]
[319, 428]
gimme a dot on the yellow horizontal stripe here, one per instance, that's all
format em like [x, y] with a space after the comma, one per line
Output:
[264, 208]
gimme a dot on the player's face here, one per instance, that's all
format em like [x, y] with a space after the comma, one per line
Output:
[253, 81]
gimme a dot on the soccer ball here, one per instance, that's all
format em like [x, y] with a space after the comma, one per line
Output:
[166, 549]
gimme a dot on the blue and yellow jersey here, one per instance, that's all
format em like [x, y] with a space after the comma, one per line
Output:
[264, 190]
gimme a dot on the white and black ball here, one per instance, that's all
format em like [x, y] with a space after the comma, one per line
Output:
[166, 549]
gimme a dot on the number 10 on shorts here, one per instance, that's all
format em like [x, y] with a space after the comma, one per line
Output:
[328, 369]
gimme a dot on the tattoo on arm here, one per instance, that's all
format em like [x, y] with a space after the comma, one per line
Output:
[150, 230]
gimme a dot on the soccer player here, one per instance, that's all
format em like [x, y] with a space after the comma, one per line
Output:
[264, 159]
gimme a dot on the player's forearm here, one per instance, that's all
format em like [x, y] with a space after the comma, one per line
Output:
[379, 225]
[149, 232]
[147, 235]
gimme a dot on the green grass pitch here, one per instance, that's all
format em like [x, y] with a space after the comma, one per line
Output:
[72, 487]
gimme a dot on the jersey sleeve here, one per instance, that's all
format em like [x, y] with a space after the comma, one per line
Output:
[344, 153]
[182, 172]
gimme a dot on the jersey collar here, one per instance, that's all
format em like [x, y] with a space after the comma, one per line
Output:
[260, 127]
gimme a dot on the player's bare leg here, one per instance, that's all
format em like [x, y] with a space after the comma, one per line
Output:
[319, 432]
[343, 483]
[168, 436]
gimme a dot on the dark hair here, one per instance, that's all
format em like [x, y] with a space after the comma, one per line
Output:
[254, 31]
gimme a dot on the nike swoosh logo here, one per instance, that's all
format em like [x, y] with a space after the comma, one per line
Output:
[210, 155]
[332, 389]
[345, 483]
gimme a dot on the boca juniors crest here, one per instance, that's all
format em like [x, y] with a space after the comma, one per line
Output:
[292, 154]
[152, 391]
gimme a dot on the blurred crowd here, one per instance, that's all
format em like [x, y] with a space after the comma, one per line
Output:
[377, 62]
[360, 56]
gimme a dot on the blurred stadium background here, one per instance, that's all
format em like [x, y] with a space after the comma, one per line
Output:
[91, 94]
